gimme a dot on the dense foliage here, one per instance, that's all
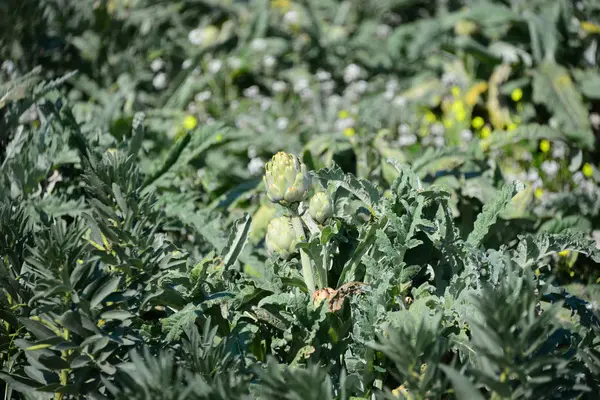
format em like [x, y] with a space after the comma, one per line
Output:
[305, 199]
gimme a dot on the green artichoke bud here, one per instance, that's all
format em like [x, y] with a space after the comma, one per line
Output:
[320, 207]
[281, 237]
[286, 179]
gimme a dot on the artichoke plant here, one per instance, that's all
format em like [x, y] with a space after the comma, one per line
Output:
[286, 179]
[281, 238]
[320, 207]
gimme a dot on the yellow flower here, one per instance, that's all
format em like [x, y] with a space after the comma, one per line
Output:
[475, 92]
[545, 146]
[219, 137]
[343, 114]
[485, 132]
[190, 122]
[349, 132]
[590, 27]
[455, 91]
[461, 115]
[563, 253]
[429, 116]
[477, 122]
[587, 170]
[516, 94]
[448, 123]
[283, 5]
[511, 127]
[539, 192]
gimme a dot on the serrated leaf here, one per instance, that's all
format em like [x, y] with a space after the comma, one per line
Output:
[490, 212]
[236, 241]
[553, 87]
[361, 188]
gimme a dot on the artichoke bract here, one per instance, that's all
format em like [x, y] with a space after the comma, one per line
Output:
[286, 179]
[281, 237]
[320, 207]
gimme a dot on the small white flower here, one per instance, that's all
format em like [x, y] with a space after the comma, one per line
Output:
[553, 122]
[252, 92]
[439, 141]
[400, 101]
[596, 236]
[291, 18]
[265, 104]
[157, 64]
[550, 167]
[532, 175]
[578, 177]
[437, 129]
[391, 85]
[407, 140]
[8, 66]
[383, 30]
[234, 63]
[196, 36]
[328, 86]
[269, 61]
[214, 66]
[361, 86]
[259, 44]
[160, 81]
[186, 64]
[344, 123]
[595, 119]
[252, 152]
[306, 94]
[301, 84]
[351, 73]
[203, 96]
[255, 166]
[559, 150]
[403, 129]
[279, 86]
[389, 96]
[449, 79]
[282, 123]
[323, 75]
[466, 135]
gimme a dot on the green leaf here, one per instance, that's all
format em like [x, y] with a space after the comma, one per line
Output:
[553, 87]
[463, 388]
[236, 241]
[108, 287]
[499, 138]
[361, 188]
[490, 212]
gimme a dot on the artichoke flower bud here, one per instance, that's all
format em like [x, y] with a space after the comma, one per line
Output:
[286, 179]
[281, 237]
[320, 207]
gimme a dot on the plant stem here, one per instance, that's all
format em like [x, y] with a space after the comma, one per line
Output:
[307, 271]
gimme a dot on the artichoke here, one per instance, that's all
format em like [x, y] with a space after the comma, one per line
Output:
[320, 207]
[286, 179]
[281, 237]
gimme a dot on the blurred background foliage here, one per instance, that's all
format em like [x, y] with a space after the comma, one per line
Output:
[473, 95]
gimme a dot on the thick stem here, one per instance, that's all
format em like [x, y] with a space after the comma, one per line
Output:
[307, 272]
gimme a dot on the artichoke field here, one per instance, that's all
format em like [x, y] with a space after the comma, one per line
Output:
[299, 199]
